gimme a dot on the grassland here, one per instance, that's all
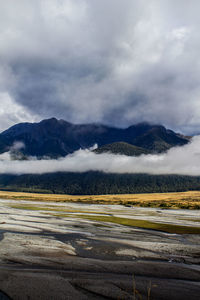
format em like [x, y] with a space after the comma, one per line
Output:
[184, 200]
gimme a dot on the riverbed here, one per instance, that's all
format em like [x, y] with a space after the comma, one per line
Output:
[51, 250]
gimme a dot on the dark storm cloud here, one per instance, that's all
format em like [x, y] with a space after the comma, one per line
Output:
[112, 61]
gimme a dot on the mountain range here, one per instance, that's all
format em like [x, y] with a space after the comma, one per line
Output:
[55, 138]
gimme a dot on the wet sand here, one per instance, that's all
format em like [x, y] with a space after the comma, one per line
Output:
[52, 251]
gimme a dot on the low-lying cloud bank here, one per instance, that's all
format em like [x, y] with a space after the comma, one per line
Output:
[183, 160]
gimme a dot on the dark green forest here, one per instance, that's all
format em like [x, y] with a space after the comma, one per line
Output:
[96, 183]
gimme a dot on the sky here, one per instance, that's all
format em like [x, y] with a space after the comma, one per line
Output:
[106, 61]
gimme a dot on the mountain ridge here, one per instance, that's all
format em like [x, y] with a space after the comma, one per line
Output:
[55, 138]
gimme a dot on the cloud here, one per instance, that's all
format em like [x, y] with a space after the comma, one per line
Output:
[183, 160]
[112, 61]
[12, 112]
[17, 146]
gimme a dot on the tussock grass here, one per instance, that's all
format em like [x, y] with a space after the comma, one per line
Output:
[182, 200]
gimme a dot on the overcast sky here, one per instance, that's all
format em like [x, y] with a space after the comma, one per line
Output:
[113, 61]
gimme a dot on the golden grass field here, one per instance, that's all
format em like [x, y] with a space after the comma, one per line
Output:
[189, 200]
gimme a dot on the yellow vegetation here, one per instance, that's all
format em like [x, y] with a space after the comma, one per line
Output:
[190, 199]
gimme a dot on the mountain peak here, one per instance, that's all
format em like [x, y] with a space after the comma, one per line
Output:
[54, 121]
[54, 138]
[49, 120]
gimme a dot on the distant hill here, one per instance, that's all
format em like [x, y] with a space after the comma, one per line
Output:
[122, 148]
[56, 138]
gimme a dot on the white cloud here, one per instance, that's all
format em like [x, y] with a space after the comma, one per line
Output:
[183, 160]
[12, 112]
